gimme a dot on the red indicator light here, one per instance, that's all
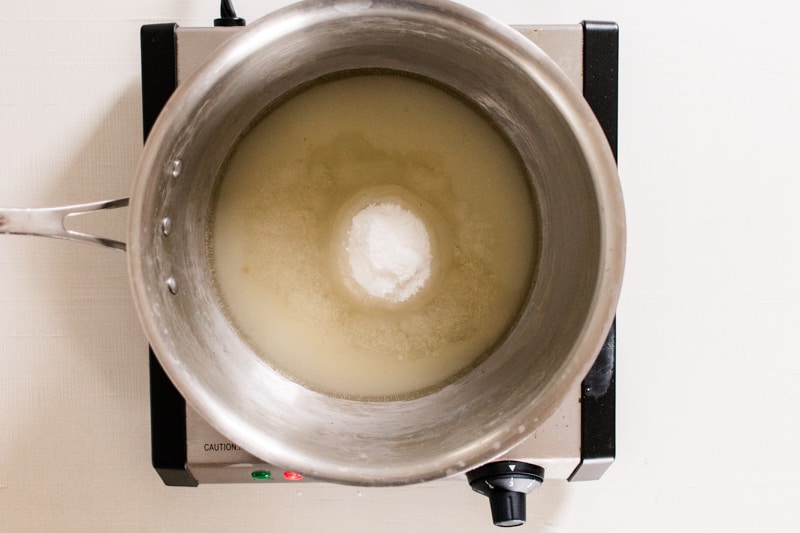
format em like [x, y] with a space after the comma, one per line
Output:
[292, 476]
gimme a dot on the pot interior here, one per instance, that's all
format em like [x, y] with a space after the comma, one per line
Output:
[556, 331]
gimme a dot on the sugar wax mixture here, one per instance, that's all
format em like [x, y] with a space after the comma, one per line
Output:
[373, 237]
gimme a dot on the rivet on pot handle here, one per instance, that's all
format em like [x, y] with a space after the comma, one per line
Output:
[49, 222]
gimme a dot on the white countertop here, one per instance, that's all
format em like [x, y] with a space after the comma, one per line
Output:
[707, 368]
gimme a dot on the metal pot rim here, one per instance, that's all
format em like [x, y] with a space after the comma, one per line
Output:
[527, 57]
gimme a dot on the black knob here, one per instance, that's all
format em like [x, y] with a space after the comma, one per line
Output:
[506, 483]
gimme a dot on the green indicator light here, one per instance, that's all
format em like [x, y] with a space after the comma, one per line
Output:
[261, 474]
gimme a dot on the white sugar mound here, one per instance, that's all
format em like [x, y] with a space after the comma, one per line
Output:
[389, 252]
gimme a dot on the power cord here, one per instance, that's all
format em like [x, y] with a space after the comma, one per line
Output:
[228, 15]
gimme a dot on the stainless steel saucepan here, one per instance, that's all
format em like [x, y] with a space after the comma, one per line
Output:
[489, 410]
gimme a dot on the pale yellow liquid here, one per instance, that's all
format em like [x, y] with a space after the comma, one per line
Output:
[297, 179]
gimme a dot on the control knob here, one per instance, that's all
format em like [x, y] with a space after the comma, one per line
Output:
[506, 483]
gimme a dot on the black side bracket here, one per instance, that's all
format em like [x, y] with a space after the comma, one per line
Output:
[598, 390]
[167, 406]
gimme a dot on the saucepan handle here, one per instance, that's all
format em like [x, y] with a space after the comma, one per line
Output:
[49, 222]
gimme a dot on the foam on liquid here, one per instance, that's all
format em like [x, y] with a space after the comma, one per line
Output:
[280, 228]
